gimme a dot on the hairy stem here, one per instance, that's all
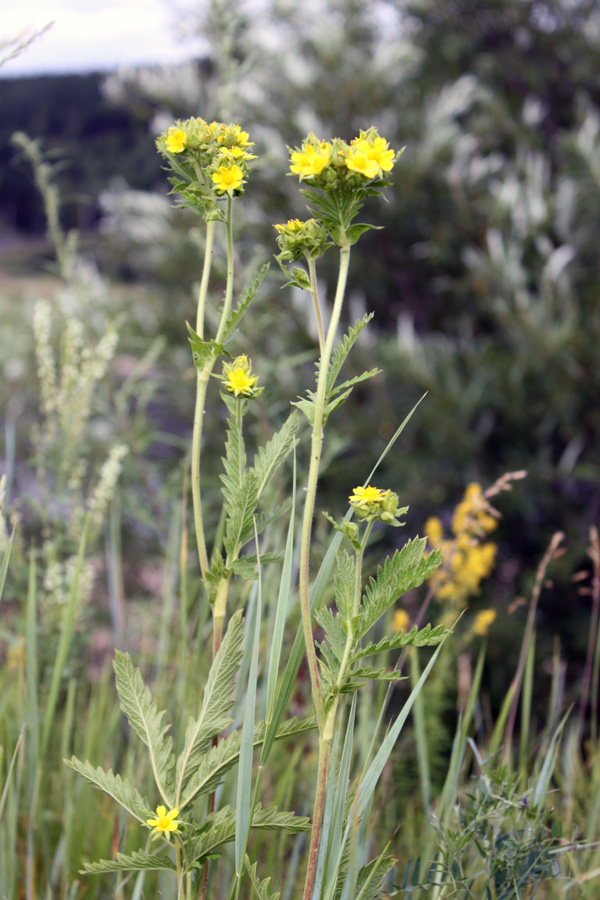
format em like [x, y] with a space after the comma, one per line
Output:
[201, 386]
[311, 487]
[315, 836]
[314, 290]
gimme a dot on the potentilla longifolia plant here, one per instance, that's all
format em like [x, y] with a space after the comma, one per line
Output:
[209, 165]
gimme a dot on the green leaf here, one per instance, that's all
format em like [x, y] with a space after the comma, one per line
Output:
[355, 231]
[147, 722]
[203, 352]
[115, 786]
[216, 703]
[373, 675]
[347, 386]
[218, 829]
[371, 877]
[345, 584]
[246, 566]
[220, 759]
[269, 458]
[247, 296]
[239, 527]
[261, 888]
[234, 461]
[307, 407]
[334, 631]
[405, 570]
[426, 637]
[342, 350]
[135, 862]
[5, 561]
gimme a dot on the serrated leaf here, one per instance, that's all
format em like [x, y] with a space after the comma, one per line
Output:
[215, 575]
[268, 516]
[377, 674]
[234, 461]
[342, 350]
[345, 585]
[216, 703]
[426, 637]
[334, 630]
[348, 385]
[405, 570]
[115, 786]
[355, 231]
[269, 458]
[147, 721]
[134, 862]
[246, 566]
[203, 352]
[371, 877]
[246, 298]
[307, 407]
[220, 759]
[239, 527]
[261, 888]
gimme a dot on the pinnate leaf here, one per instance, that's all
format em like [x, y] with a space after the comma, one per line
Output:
[130, 862]
[147, 721]
[115, 786]
[216, 703]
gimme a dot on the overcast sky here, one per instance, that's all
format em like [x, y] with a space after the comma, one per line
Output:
[91, 34]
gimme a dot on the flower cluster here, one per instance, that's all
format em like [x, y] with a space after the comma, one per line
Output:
[298, 240]
[469, 559]
[375, 504]
[482, 622]
[325, 163]
[238, 379]
[212, 158]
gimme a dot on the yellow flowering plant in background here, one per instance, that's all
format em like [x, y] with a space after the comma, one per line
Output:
[468, 557]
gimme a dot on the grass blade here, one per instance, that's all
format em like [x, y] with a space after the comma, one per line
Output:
[245, 801]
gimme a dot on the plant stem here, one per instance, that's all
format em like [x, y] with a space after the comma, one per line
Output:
[204, 375]
[229, 284]
[315, 835]
[314, 290]
[311, 487]
[202, 294]
[201, 386]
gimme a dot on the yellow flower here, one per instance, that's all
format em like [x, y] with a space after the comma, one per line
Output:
[233, 134]
[366, 494]
[358, 160]
[238, 378]
[375, 149]
[292, 226]
[165, 822]
[176, 140]
[483, 620]
[239, 382]
[401, 621]
[434, 530]
[311, 160]
[234, 153]
[228, 179]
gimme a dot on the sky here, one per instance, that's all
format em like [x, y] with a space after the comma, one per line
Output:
[91, 35]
